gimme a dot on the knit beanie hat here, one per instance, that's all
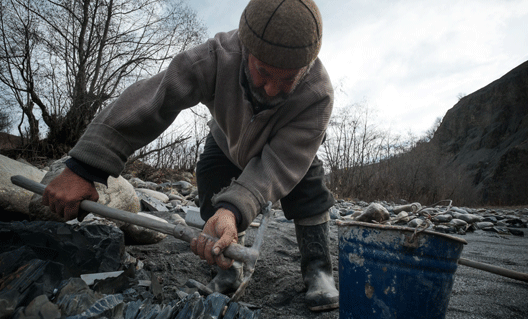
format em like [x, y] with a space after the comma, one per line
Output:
[282, 33]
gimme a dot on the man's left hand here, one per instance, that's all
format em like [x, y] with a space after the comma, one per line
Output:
[222, 225]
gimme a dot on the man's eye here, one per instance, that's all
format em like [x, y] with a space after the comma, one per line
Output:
[262, 72]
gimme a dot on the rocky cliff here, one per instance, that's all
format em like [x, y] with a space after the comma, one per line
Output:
[486, 132]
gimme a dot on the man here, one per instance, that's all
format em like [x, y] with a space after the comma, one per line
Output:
[270, 99]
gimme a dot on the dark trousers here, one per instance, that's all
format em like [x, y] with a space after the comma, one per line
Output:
[215, 171]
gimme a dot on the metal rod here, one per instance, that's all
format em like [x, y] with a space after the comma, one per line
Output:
[183, 232]
[494, 269]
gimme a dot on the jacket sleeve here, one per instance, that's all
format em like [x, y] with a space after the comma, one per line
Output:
[143, 111]
[282, 164]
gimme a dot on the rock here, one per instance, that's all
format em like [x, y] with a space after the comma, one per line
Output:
[75, 297]
[469, 218]
[30, 281]
[334, 213]
[150, 203]
[132, 309]
[430, 211]
[84, 249]
[443, 218]
[154, 194]
[110, 306]
[499, 230]
[516, 232]
[119, 195]
[135, 182]
[445, 229]
[490, 219]
[177, 219]
[484, 225]
[40, 307]
[174, 195]
[411, 208]
[188, 176]
[137, 235]
[458, 210]
[355, 214]
[185, 188]
[415, 222]
[15, 199]
[457, 223]
[374, 212]
[402, 217]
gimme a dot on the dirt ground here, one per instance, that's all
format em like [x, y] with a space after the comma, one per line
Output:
[276, 286]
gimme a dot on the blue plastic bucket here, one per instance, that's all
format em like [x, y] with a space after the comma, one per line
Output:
[391, 272]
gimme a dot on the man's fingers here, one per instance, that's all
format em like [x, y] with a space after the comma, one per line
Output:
[82, 215]
[227, 239]
[71, 209]
[223, 262]
[219, 248]
[200, 246]
[194, 243]
[45, 198]
[57, 208]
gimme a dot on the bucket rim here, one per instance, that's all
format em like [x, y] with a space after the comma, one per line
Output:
[400, 228]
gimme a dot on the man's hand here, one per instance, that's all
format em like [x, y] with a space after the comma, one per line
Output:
[65, 193]
[222, 225]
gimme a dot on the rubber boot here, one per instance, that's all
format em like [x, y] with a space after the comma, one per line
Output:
[316, 267]
[227, 281]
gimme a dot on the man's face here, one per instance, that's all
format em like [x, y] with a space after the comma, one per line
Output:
[270, 85]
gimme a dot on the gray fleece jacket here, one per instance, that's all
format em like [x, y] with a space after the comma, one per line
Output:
[274, 148]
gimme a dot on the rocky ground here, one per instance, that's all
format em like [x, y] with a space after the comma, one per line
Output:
[495, 236]
[276, 286]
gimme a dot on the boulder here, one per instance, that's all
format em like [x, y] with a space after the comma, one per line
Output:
[375, 212]
[15, 199]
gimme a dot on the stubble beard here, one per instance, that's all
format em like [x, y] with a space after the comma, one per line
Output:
[259, 94]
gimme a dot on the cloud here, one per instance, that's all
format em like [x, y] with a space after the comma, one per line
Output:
[412, 58]
[408, 58]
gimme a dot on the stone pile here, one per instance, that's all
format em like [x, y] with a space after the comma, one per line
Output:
[446, 219]
[49, 270]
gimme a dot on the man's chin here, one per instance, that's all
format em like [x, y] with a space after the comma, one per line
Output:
[269, 101]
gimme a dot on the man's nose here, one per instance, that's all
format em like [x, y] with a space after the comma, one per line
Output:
[272, 88]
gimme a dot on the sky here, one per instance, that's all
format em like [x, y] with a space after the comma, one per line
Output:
[409, 61]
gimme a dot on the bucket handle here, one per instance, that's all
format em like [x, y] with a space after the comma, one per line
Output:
[411, 241]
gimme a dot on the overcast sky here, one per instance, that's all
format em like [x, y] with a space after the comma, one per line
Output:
[407, 59]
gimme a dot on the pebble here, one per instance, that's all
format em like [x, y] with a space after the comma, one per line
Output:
[446, 219]
[454, 220]
[415, 223]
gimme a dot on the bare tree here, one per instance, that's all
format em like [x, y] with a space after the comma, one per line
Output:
[367, 162]
[5, 119]
[62, 61]
[180, 146]
[353, 141]
[428, 136]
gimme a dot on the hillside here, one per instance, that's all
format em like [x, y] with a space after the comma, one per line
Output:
[486, 133]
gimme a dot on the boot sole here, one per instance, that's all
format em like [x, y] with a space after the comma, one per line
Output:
[324, 307]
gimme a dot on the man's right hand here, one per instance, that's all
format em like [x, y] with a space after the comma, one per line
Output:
[65, 193]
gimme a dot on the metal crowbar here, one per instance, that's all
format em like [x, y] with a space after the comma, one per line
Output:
[248, 256]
